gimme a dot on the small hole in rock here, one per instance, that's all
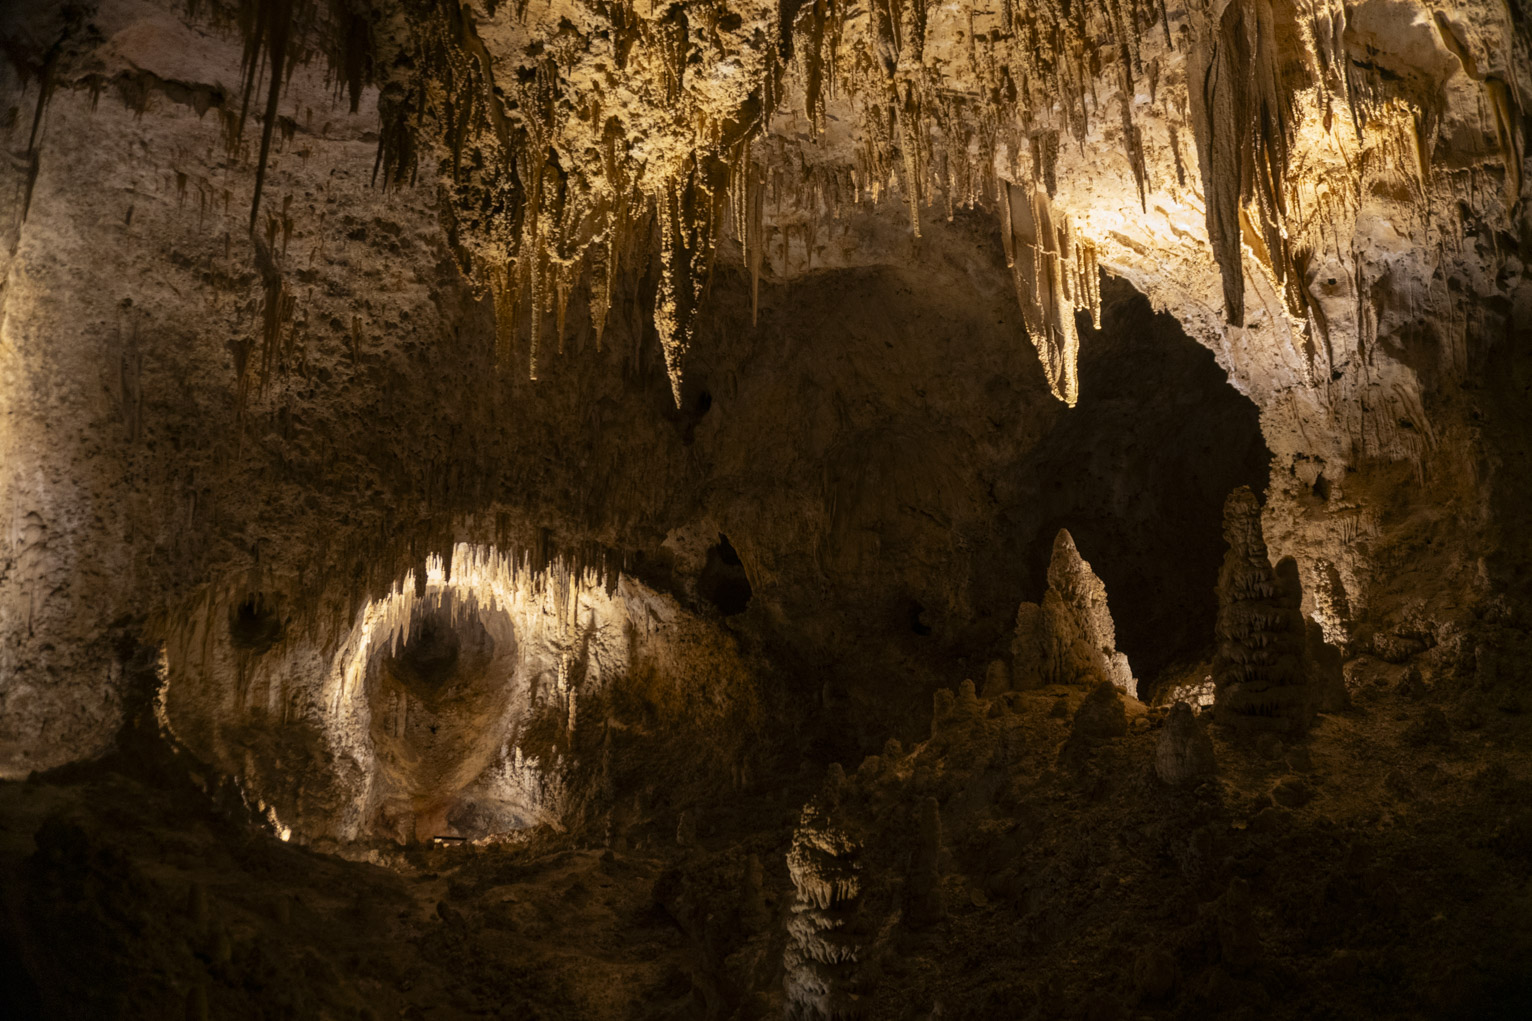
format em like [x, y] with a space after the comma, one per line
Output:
[254, 625]
[704, 403]
[917, 619]
[1321, 488]
[723, 582]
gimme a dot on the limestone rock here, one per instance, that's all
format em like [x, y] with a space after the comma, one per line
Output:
[923, 901]
[1070, 637]
[1101, 717]
[1259, 673]
[1027, 647]
[1184, 753]
[1081, 638]
[997, 679]
[824, 941]
[968, 700]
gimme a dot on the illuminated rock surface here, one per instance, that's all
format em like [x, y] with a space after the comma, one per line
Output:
[469, 470]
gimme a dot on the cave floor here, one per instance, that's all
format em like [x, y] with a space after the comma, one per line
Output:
[1380, 868]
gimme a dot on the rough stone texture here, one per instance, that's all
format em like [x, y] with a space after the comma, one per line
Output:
[1260, 677]
[754, 349]
[1070, 638]
[1184, 753]
[823, 935]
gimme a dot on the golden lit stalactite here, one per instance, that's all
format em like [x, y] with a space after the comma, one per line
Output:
[689, 216]
[1055, 274]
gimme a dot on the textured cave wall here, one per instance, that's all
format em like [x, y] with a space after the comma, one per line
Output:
[195, 412]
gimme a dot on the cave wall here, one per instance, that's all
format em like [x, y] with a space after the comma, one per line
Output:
[197, 408]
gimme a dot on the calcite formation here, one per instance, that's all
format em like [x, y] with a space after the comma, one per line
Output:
[1260, 676]
[823, 938]
[1354, 174]
[1070, 637]
[521, 444]
[1184, 753]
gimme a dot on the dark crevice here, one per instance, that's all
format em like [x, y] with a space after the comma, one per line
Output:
[254, 625]
[723, 582]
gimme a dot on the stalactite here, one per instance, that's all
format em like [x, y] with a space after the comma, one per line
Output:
[268, 26]
[1055, 275]
[1242, 117]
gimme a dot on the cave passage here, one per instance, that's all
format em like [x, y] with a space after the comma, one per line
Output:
[1138, 473]
[723, 582]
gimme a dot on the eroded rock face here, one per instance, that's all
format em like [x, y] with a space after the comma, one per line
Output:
[1339, 226]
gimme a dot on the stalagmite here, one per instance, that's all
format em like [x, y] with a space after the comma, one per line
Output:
[1259, 674]
[1071, 638]
[824, 937]
[1184, 752]
[997, 679]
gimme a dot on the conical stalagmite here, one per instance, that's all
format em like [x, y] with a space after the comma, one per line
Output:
[1070, 638]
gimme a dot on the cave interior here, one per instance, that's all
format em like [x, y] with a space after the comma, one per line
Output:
[716, 509]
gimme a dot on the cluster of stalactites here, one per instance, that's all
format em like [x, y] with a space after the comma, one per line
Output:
[1056, 274]
[472, 576]
[534, 224]
[943, 145]
[549, 197]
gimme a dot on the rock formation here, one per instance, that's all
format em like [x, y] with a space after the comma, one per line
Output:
[1101, 717]
[924, 904]
[1070, 638]
[823, 936]
[1184, 753]
[997, 679]
[467, 468]
[1259, 673]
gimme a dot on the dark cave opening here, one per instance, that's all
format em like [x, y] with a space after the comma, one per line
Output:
[445, 643]
[1138, 472]
[254, 625]
[723, 582]
[430, 656]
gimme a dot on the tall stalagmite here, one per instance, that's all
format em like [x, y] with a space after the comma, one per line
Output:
[1259, 675]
